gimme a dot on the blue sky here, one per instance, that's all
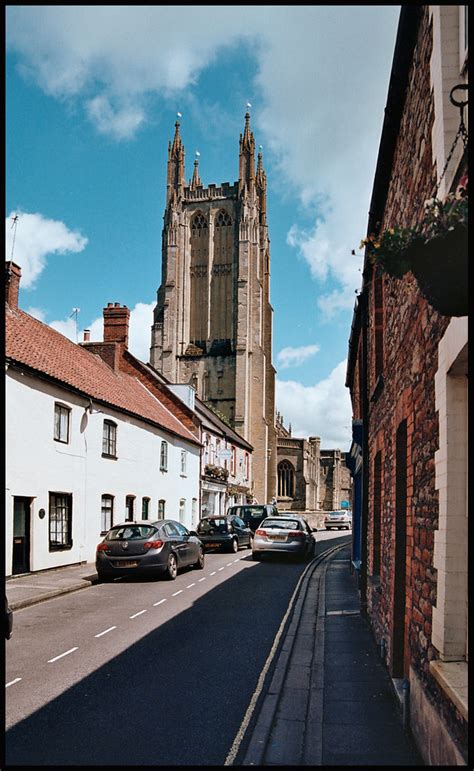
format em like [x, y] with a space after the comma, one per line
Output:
[91, 101]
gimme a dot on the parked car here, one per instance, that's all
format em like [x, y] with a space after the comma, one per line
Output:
[288, 533]
[224, 532]
[8, 620]
[160, 547]
[253, 513]
[339, 519]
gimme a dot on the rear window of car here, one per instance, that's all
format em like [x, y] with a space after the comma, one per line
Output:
[131, 532]
[283, 524]
[254, 512]
[206, 525]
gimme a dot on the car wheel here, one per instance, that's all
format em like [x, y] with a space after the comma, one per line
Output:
[250, 542]
[200, 562]
[234, 546]
[171, 568]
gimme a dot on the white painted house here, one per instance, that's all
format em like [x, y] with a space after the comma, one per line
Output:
[87, 445]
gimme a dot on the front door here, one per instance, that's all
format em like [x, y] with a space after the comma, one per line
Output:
[21, 535]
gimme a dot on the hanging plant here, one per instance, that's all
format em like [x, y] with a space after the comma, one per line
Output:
[435, 251]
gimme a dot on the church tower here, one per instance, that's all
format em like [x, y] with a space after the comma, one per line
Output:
[212, 323]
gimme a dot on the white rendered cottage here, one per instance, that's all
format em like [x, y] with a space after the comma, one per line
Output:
[87, 445]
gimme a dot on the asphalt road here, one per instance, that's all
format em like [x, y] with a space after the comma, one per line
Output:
[145, 672]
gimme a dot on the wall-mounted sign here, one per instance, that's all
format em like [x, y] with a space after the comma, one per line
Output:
[41, 513]
[344, 504]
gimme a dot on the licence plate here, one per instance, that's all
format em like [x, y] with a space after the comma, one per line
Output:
[212, 545]
[127, 564]
[277, 537]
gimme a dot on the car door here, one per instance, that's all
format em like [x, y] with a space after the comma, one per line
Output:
[188, 549]
[176, 541]
[241, 530]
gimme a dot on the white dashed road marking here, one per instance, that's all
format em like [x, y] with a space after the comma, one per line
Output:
[175, 593]
[158, 603]
[12, 682]
[138, 614]
[190, 585]
[213, 572]
[105, 631]
[222, 568]
[50, 661]
[202, 579]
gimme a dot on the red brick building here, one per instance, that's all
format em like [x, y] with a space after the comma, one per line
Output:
[407, 373]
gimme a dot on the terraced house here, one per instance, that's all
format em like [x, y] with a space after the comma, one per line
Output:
[407, 373]
[88, 443]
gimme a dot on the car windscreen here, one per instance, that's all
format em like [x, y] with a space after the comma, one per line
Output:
[282, 524]
[254, 512]
[214, 525]
[131, 532]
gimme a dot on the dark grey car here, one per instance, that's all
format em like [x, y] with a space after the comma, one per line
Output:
[160, 547]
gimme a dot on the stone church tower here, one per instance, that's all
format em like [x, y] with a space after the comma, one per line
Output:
[213, 319]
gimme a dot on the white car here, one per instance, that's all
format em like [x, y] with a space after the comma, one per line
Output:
[338, 519]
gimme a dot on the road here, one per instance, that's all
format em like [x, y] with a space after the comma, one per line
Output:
[145, 672]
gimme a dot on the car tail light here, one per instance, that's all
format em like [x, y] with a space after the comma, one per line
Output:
[260, 532]
[153, 544]
[296, 533]
[102, 546]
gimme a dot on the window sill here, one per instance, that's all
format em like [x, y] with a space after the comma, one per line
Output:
[61, 548]
[452, 676]
[110, 457]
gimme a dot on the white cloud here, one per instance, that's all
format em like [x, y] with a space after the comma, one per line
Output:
[36, 237]
[121, 122]
[323, 409]
[293, 357]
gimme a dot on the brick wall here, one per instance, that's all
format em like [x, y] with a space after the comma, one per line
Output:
[412, 330]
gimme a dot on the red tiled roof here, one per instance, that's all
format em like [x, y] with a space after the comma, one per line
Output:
[37, 346]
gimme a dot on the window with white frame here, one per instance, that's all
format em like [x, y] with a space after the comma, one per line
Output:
[233, 460]
[62, 416]
[106, 513]
[182, 509]
[183, 461]
[164, 456]
[161, 508]
[109, 439]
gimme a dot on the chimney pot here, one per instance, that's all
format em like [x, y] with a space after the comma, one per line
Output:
[87, 335]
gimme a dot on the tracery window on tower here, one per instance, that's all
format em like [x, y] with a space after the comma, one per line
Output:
[286, 479]
[223, 219]
[198, 224]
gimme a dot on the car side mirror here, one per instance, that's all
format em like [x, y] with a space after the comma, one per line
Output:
[193, 532]
[314, 529]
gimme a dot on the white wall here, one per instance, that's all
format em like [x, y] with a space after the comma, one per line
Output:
[37, 465]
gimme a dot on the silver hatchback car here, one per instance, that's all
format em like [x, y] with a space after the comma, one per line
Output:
[286, 534]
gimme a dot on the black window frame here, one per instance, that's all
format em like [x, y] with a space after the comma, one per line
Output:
[59, 407]
[107, 497]
[65, 531]
[108, 442]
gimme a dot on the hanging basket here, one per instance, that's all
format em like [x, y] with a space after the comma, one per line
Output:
[440, 268]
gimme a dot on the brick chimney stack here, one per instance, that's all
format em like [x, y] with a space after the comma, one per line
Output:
[87, 335]
[12, 283]
[116, 319]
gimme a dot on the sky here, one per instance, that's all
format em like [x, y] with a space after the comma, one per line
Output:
[92, 96]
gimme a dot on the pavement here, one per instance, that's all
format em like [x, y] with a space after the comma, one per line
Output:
[330, 700]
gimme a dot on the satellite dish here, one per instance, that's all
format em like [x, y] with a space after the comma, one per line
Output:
[197, 152]
[179, 115]
[248, 104]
